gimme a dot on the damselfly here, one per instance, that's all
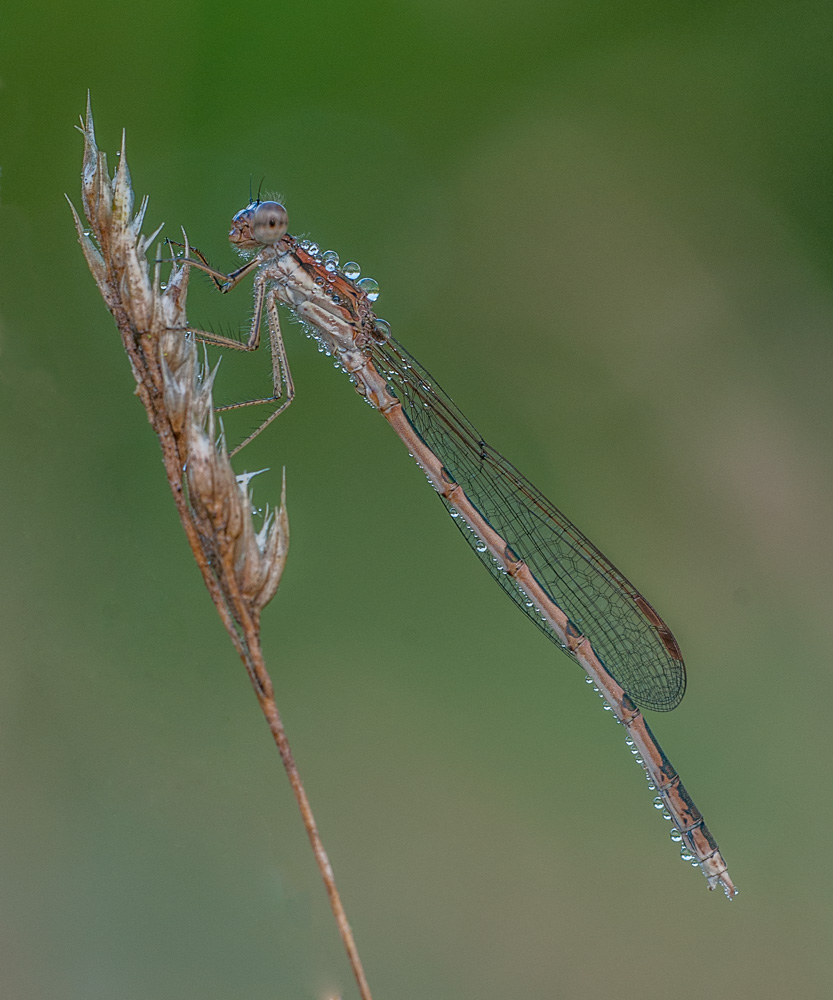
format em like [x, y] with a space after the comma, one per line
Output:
[558, 578]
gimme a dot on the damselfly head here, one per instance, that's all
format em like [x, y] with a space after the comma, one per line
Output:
[259, 224]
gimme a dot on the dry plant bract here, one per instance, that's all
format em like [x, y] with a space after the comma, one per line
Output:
[240, 563]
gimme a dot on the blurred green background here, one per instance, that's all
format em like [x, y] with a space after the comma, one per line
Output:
[608, 230]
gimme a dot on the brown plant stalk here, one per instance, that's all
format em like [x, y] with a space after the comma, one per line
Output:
[241, 566]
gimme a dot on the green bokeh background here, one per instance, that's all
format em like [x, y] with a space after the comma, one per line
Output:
[608, 230]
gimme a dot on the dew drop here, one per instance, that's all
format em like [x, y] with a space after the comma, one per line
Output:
[658, 803]
[686, 854]
[381, 331]
[454, 513]
[313, 248]
[481, 546]
[330, 257]
[675, 835]
[351, 270]
[370, 287]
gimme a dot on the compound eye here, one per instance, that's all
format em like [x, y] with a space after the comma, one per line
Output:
[268, 222]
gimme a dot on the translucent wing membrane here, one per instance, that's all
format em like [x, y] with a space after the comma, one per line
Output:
[630, 638]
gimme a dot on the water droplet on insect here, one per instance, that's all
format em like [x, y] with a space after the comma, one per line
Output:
[330, 257]
[666, 815]
[454, 513]
[319, 281]
[313, 248]
[305, 244]
[675, 835]
[606, 707]
[528, 604]
[481, 546]
[628, 741]
[351, 270]
[658, 803]
[370, 287]
[381, 331]
[639, 760]
[685, 853]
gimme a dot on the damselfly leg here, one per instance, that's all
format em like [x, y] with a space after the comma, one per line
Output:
[264, 300]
